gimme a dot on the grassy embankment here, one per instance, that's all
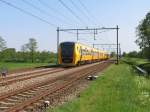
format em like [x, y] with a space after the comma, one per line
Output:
[135, 61]
[142, 63]
[14, 66]
[119, 89]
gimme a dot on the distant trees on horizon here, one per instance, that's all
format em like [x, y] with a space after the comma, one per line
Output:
[133, 54]
[28, 53]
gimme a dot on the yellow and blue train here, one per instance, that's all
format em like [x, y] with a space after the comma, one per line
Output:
[74, 53]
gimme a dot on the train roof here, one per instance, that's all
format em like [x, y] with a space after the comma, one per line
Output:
[71, 42]
[74, 43]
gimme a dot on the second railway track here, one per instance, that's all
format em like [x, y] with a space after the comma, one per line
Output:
[24, 76]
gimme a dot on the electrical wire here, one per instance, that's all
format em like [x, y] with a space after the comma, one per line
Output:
[40, 10]
[71, 11]
[87, 33]
[78, 8]
[27, 13]
[87, 11]
[76, 33]
[53, 9]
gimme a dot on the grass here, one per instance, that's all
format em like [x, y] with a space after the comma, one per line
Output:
[142, 63]
[119, 89]
[135, 61]
[14, 66]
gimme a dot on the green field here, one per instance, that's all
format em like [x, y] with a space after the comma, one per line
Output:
[119, 89]
[142, 63]
[14, 66]
[135, 61]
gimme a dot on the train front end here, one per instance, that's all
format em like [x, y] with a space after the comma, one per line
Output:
[66, 54]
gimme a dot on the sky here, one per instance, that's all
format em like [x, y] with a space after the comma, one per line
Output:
[17, 27]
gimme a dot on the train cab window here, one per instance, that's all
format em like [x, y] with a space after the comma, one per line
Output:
[67, 49]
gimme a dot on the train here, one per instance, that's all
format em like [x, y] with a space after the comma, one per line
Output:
[74, 54]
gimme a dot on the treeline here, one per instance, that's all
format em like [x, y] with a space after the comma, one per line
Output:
[134, 54]
[28, 53]
[143, 40]
[143, 34]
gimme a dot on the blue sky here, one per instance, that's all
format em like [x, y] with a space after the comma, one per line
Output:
[17, 27]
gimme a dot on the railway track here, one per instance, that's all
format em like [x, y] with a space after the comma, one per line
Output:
[33, 95]
[28, 75]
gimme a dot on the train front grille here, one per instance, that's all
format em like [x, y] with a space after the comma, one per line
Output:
[67, 60]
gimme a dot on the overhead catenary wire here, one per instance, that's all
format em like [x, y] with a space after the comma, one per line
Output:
[106, 37]
[86, 33]
[72, 12]
[41, 10]
[87, 11]
[27, 13]
[78, 32]
[81, 11]
[85, 8]
[53, 9]
[90, 33]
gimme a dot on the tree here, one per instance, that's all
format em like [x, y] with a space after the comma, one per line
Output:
[32, 46]
[23, 53]
[9, 55]
[143, 34]
[24, 48]
[133, 54]
[2, 44]
[112, 54]
[124, 54]
[52, 57]
[44, 56]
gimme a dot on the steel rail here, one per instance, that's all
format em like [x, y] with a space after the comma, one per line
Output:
[11, 76]
[58, 88]
[25, 77]
[30, 87]
[61, 87]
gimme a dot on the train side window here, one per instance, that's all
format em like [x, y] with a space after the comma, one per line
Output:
[88, 52]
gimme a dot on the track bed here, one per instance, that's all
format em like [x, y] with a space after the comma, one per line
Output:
[29, 98]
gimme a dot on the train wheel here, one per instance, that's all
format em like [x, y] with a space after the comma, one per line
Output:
[78, 64]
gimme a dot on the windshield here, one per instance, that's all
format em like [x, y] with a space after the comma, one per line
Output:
[67, 49]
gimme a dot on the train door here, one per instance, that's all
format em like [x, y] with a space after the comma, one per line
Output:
[81, 54]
